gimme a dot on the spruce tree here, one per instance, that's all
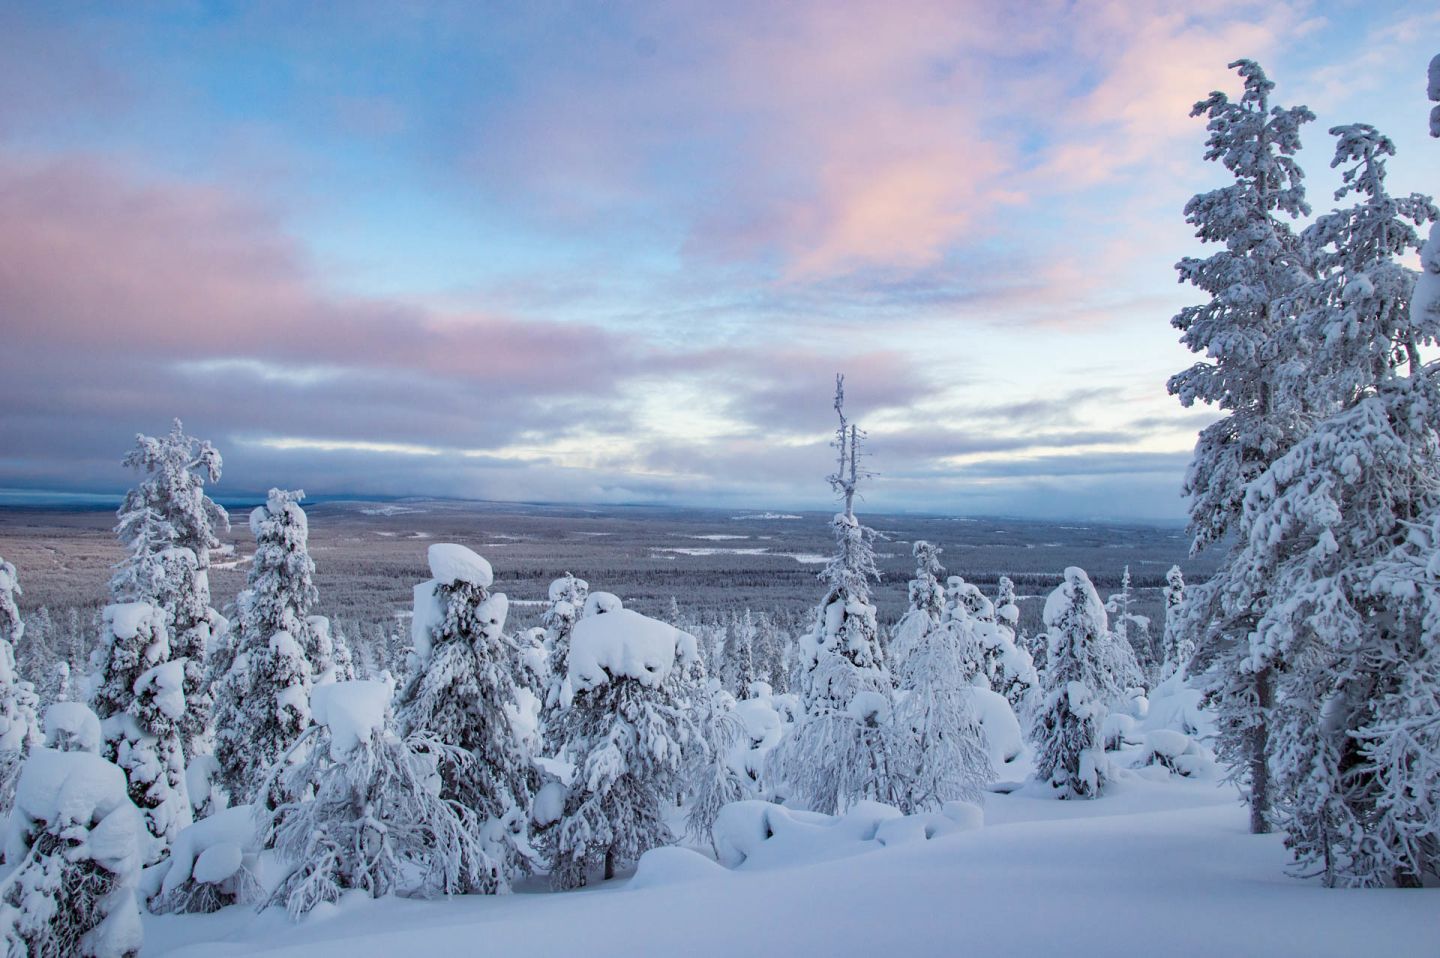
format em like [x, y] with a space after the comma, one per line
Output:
[1254, 370]
[462, 693]
[19, 730]
[263, 703]
[169, 525]
[1069, 753]
[630, 730]
[839, 754]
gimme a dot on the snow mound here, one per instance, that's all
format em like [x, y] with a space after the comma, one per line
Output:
[625, 643]
[72, 727]
[451, 563]
[352, 711]
[761, 835]
[672, 865]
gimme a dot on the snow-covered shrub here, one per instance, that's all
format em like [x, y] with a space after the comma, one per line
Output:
[628, 730]
[1178, 644]
[1069, 750]
[741, 737]
[372, 815]
[77, 843]
[461, 693]
[212, 864]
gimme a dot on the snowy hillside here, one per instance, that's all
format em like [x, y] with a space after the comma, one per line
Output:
[1155, 867]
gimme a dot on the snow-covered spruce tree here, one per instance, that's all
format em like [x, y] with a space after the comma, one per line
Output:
[1433, 91]
[461, 693]
[739, 666]
[263, 702]
[770, 645]
[628, 730]
[168, 525]
[939, 751]
[927, 603]
[77, 842]
[1130, 627]
[1320, 523]
[1253, 371]
[839, 755]
[1069, 753]
[1179, 644]
[714, 779]
[567, 601]
[19, 730]
[139, 697]
[370, 814]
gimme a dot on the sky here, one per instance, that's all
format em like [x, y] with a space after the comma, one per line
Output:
[616, 252]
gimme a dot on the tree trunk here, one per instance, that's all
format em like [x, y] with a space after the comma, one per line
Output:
[1260, 757]
[609, 863]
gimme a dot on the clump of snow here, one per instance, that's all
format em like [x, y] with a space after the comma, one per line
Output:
[72, 727]
[352, 711]
[1003, 738]
[451, 563]
[626, 644]
[213, 849]
[125, 619]
[549, 804]
[168, 682]
[491, 613]
[428, 615]
[598, 603]
[672, 865]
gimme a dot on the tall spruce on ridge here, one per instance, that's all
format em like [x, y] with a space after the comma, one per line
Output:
[460, 691]
[1351, 644]
[264, 700]
[168, 525]
[839, 754]
[1253, 372]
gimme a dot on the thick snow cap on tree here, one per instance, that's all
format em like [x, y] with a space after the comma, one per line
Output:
[72, 727]
[80, 788]
[1076, 584]
[352, 711]
[1433, 91]
[627, 644]
[598, 603]
[451, 563]
[125, 619]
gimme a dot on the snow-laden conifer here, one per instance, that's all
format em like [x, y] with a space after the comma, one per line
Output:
[264, 699]
[838, 756]
[19, 730]
[927, 603]
[1321, 523]
[1254, 370]
[139, 697]
[461, 692]
[1069, 752]
[77, 844]
[1178, 643]
[739, 669]
[938, 746]
[631, 731]
[370, 813]
[168, 526]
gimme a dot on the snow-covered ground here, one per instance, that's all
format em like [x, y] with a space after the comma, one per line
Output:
[1161, 867]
